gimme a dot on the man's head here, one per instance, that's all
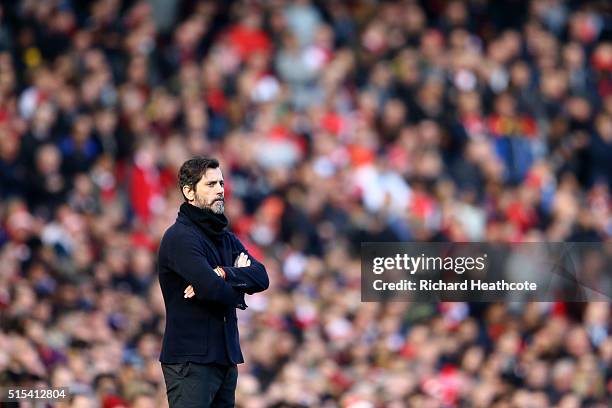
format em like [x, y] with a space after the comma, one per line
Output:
[201, 182]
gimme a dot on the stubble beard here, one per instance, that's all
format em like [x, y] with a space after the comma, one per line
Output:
[216, 207]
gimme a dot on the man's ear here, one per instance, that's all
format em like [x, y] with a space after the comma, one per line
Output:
[189, 193]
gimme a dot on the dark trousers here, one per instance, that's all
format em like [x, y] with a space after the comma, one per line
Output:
[195, 385]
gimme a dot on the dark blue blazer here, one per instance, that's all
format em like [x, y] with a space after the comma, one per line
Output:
[203, 328]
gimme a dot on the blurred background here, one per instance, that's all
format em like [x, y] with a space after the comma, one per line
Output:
[336, 122]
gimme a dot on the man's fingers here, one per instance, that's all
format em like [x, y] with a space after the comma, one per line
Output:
[239, 259]
[242, 260]
[189, 292]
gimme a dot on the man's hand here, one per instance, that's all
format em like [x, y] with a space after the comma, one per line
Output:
[220, 272]
[190, 292]
[242, 260]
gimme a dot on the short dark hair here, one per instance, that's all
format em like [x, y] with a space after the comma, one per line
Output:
[192, 171]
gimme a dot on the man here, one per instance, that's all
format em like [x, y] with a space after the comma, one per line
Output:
[204, 272]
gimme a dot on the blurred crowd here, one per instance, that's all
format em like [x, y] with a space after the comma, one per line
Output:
[336, 123]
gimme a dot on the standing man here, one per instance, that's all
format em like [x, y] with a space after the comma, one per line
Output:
[204, 272]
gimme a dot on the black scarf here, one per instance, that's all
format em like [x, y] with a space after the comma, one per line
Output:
[212, 224]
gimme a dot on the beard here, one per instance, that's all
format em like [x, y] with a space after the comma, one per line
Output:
[216, 206]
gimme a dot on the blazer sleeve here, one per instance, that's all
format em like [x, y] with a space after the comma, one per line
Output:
[190, 262]
[248, 279]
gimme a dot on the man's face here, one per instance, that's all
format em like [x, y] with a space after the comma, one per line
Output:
[209, 192]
